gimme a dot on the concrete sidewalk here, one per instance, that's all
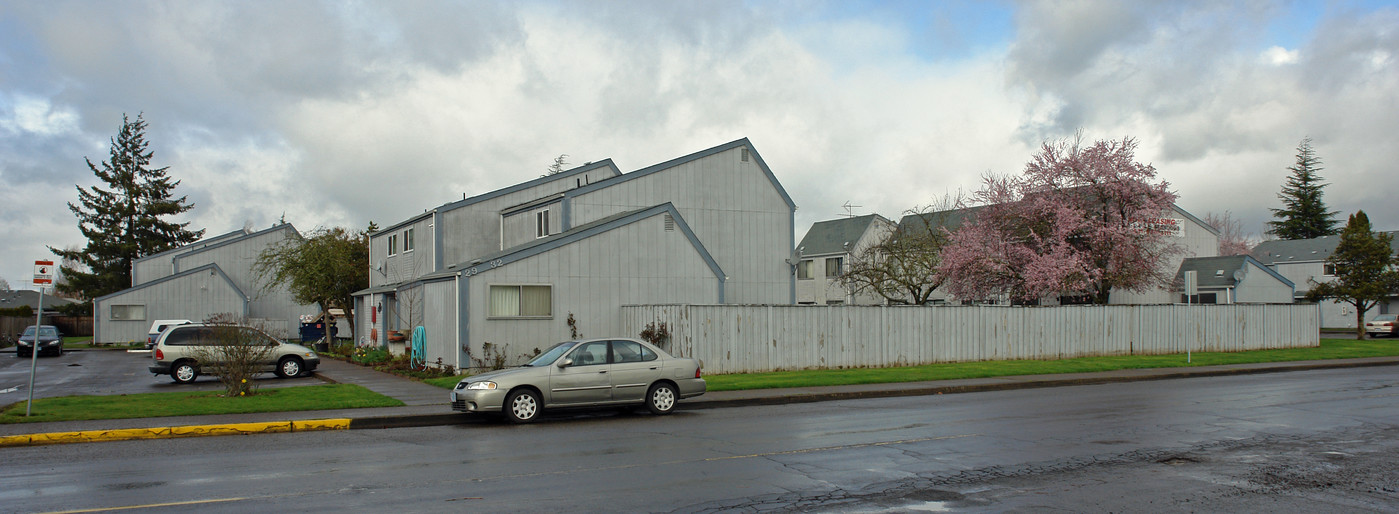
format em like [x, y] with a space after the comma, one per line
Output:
[426, 405]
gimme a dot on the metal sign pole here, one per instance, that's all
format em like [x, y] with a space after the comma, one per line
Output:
[43, 275]
[1192, 288]
[34, 350]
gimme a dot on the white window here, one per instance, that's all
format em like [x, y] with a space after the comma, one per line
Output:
[833, 266]
[393, 245]
[128, 312]
[1328, 269]
[541, 223]
[804, 269]
[407, 240]
[521, 301]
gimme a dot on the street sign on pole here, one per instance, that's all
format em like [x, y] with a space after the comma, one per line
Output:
[43, 276]
[43, 273]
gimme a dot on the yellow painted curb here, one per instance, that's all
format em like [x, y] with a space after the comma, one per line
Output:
[127, 434]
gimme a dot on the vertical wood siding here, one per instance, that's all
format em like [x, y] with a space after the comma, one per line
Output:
[194, 298]
[757, 338]
[732, 208]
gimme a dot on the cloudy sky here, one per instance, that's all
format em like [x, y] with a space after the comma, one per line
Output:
[339, 113]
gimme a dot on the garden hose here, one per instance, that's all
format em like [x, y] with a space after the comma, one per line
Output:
[418, 357]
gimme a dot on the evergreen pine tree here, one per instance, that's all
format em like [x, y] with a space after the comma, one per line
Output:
[1364, 261]
[1304, 214]
[125, 221]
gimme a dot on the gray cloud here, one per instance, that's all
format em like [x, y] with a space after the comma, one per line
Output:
[339, 113]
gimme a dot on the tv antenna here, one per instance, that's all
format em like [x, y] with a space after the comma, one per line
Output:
[850, 209]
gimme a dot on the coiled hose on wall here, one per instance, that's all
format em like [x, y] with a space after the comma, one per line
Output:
[417, 356]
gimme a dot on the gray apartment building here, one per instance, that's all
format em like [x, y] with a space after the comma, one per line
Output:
[526, 266]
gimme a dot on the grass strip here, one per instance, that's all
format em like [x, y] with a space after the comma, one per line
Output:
[148, 405]
[1329, 349]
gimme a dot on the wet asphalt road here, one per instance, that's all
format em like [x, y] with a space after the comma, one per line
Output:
[101, 372]
[1314, 441]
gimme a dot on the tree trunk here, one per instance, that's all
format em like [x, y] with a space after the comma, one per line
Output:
[1359, 322]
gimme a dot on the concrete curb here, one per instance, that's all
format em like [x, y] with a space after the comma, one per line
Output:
[128, 434]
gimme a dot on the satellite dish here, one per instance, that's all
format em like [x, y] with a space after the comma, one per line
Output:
[380, 267]
[1239, 275]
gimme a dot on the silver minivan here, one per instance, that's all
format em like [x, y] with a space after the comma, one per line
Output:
[178, 348]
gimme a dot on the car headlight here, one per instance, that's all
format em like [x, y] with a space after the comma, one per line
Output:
[481, 385]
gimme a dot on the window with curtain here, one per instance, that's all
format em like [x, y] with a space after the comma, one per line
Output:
[804, 269]
[833, 266]
[128, 312]
[541, 223]
[521, 301]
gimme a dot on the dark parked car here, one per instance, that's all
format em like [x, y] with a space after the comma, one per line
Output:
[50, 341]
[590, 373]
[1383, 325]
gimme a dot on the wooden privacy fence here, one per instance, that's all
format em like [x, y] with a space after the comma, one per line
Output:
[757, 338]
[68, 325]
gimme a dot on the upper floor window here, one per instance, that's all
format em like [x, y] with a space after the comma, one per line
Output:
[393, 245]
[804, 269]
[541, 223]
[1328, 269]
[833, 266]
[408, 240]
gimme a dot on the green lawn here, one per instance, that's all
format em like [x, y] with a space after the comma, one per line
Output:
[1329, 349]
[146, 405]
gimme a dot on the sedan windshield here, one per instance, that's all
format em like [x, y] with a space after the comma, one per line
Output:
[43, 332]
[552, 355]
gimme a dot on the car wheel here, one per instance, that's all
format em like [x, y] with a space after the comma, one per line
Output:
[522, 406]
[184, 372]
[289, 367]
[661, 399]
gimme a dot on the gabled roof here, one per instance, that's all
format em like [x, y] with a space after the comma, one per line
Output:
[1216, 272]
[466, 202]
[753, 152]
[225, 242]
[1304, 250]
[211, 267]
[836, 236]
[11, 298]
[197, 244]
[573, 235]
[953, 219]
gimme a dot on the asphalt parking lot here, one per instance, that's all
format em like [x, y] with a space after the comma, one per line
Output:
[103, 372]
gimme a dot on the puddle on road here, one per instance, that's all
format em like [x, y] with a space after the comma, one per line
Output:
[930, 507]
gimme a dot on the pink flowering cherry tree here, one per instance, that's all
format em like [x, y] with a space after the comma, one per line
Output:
[1074, 223]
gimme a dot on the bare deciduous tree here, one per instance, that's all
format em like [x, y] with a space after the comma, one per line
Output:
[235, 353]
[1232, 239]
[902, 268]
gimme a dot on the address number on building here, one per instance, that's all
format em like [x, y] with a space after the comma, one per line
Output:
[476, 269]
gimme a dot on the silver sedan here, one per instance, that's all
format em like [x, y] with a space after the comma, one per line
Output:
[587, 373]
